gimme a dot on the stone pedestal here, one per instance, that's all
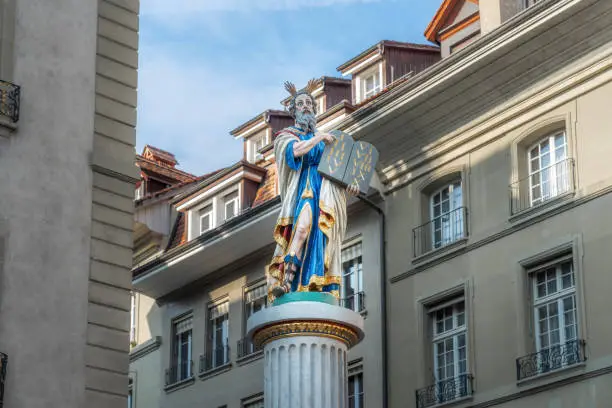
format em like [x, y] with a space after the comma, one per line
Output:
[305, 345]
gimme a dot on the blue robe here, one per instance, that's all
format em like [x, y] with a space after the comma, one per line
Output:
[309, 188]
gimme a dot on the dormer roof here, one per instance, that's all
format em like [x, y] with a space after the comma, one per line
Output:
[445, 16]
[257, 122]
[321, 82]
[160, 156]
[377, 50]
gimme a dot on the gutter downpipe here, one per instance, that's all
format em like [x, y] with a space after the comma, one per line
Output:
[383, 293]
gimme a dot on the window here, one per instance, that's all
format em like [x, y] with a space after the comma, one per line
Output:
[206, 219]
[231, 205]
[355, 391]
[446, 211]
[352, 278]
[133, 319]
[320, 105]
[450, 367]
[255, 299]
[181, 350]
[130, 397]
[371, 84]
[549, 170]
[217, 347]
[555, 317]
[255, 144]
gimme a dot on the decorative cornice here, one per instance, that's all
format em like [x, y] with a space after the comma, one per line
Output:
[306, 328]
[145, 348]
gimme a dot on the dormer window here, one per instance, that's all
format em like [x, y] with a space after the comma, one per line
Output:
[231, 205]
[206, 219]
[369, 83]
[254, 144]
[320, 105]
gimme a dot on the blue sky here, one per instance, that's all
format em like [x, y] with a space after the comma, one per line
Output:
[206, 66]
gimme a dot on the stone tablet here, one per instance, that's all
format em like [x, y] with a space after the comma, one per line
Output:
[347, 162]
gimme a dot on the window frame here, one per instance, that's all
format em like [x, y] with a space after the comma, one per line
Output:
[454, 214]
[133, 318]
[358, 393]
[255, 143]
[554, 188]
[454, 333]
[235, 200]
[206, 211]
[211, 323]
[358, 302]
[176, 357]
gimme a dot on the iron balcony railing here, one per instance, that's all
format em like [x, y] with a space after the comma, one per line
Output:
[246, 347]
[355, 302]
[180, 371]
[444, 391]
[3, 364]
[10, 95]
[217, 357]
[550, 359]
[542, 185]
[440, 231]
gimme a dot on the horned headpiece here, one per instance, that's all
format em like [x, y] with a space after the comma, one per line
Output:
[310, 87]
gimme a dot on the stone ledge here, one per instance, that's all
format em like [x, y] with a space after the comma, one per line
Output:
[179, 385]
[204, 375]
[145, 348]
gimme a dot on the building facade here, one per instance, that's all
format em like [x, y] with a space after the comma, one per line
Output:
[67, 135]
[485, 275]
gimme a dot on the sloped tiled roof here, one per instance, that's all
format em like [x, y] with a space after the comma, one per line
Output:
[151, 166]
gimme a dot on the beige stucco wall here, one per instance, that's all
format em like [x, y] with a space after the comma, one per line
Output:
[488, 264]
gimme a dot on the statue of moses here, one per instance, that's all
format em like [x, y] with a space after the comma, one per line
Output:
[310, 227]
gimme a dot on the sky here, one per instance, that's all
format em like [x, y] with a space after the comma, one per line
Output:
[207, 66]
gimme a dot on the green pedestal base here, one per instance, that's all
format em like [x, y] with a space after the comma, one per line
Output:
[321, 297]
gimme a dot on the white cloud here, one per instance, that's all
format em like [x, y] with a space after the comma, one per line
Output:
[165, 8]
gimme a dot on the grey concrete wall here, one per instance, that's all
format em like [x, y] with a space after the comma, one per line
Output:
[45, 184]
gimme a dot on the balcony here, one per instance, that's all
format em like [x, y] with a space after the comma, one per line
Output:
[217, 358]
[441, 231]
[542, 186]
[550, 359]
[178, 373]
[246, 348]
[3, 364]
[9, 100]
[355, 302]
[445, 391]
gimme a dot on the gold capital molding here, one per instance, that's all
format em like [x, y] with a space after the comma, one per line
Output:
[320, 328]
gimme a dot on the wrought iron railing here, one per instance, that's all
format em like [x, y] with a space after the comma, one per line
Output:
[178, 372]
[246, 347]
[550, 359]
[10, 95]
[3, 364]
[217, 357]
[444, 391]
[355, 302]
[440, 231]
[542, 185]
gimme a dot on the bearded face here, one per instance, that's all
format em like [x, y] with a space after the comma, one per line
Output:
[304, 113]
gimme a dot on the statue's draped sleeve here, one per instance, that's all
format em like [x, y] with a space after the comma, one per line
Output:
[332, 214]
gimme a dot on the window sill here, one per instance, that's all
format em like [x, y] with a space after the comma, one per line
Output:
[179, 385]
[553, 373]
[531, 213]
[204, 375]
[439, 253]
[249, 358]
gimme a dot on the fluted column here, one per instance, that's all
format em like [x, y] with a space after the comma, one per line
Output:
[305, 347]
